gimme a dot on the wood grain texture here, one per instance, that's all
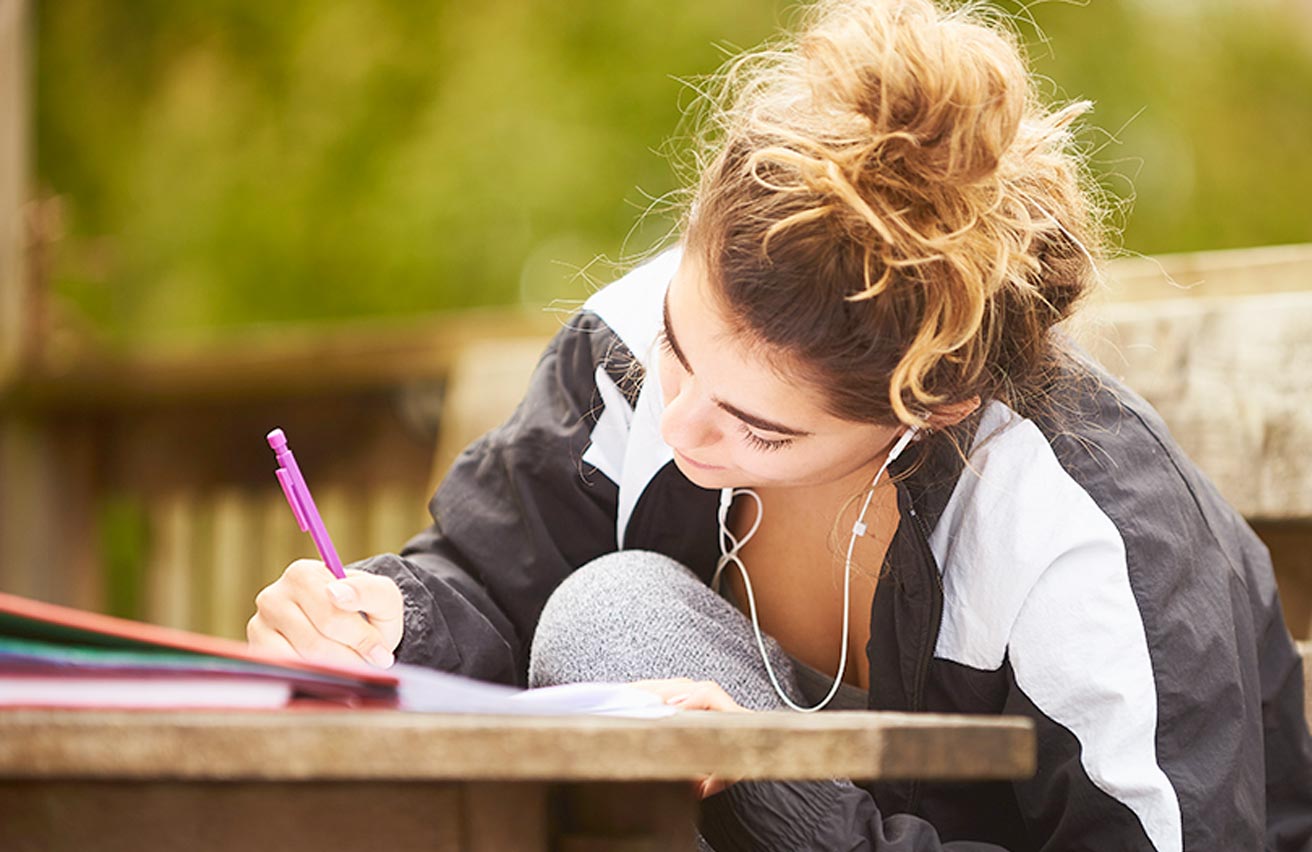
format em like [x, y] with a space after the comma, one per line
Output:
[642, 817]
[1209, 274]
[504, 817]
[57, 814]
[1229, 377]
[222, 817]
[389, 745]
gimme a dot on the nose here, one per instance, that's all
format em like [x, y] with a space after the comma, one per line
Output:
[688, 422]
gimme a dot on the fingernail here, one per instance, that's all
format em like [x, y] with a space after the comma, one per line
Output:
[342, 593]
[379, 656]
[677, 699]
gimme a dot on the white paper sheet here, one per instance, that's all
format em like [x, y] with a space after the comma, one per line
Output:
[427, 691]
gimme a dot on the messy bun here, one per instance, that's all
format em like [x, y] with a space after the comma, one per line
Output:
[886, 200]
[944, 98]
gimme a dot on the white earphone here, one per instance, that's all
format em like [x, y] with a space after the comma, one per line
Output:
[730, 546]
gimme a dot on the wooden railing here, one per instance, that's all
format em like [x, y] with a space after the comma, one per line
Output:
[156, 458]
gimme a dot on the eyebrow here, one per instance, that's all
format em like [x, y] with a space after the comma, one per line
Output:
[749, 419]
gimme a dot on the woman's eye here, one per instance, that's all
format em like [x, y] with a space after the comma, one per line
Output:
[756, 441]
[663, 341]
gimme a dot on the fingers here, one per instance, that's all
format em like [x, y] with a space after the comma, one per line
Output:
[266, 639]
[378, 598]
[710, 785]
[667, 688]
[688, 694]
[343, 638]
[281, 619]
[298, 609]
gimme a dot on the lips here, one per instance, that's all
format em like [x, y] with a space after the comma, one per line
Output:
[696, 464]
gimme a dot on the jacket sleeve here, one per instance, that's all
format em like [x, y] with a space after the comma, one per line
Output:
[1174, 731]
[517, 513]
[811, 816]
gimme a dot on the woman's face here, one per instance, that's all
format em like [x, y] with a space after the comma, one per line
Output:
[736, 419]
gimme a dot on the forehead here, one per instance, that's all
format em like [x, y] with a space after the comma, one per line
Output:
[734, 368]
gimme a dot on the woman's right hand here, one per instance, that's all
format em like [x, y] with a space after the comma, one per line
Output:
[309, 613]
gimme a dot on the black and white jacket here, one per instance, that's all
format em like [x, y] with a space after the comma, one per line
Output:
[1083, 573]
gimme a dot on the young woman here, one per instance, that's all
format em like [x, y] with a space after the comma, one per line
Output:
[830, 452]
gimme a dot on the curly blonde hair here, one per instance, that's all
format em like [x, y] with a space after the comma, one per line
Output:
[886, 201]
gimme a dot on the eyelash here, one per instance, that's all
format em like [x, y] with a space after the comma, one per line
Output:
[663, 340]
[753, 440]
[757, 442]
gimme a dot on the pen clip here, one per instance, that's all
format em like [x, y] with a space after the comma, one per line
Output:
[285, 479]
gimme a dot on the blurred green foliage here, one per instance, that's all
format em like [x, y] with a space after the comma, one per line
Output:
[234, 161]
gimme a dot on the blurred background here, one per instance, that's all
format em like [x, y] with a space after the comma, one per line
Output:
[345, 218]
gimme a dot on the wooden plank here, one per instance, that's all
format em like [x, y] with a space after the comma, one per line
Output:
[1210, 274]
[508, 817]
[15, 131]
[26, 537]
[265, 363]
[392, 516]
[1229, 377]
[629, 818]
[49, 534]
[77, 510]
[235, 552]
[350, 746]
[486, 383]
[172, 520]
[218, 817]
[200, 567]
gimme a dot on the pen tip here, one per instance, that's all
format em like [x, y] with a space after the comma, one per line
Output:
[277, 440]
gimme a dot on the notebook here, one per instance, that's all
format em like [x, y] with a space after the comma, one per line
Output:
[55, 656]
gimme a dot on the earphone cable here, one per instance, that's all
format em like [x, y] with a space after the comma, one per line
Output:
[731, 545]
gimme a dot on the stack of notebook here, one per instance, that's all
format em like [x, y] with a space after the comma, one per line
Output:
[54, 656]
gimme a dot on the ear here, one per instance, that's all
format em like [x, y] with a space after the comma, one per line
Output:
[943, 416]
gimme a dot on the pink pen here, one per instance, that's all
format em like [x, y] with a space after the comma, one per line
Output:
[298, 494]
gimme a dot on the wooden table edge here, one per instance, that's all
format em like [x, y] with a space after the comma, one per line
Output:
[378, 745]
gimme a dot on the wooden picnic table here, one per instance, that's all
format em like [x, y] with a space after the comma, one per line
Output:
[349, 780]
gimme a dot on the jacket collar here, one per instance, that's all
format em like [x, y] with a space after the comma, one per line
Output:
[929, 474]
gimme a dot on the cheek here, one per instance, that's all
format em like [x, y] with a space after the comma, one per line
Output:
[812, 466]
[776, 469]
